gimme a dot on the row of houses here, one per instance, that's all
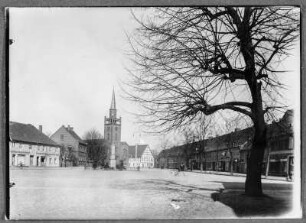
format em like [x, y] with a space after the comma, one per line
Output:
[230, 152]
[29, 146]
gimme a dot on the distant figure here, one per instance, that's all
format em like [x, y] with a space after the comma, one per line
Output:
[20, 165]
[181, 167]
[290, 173]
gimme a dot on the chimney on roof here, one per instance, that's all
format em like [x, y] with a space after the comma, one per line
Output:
[69, 128]
[40, 128]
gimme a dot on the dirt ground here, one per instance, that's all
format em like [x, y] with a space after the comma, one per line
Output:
[75, 193]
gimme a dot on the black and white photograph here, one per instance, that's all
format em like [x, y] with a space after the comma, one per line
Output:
[189, 112]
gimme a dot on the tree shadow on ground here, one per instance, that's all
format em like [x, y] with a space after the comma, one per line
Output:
[168, 186]
[276, 201]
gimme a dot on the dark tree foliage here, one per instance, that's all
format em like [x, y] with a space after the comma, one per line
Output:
[200, 60]
[97, 148]
[97, 151]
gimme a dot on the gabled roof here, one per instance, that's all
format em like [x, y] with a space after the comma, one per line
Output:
[74, 135]
[71, 132]
[29, 134]
[140, 150]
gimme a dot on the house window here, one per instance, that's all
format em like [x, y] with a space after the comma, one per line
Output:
[62, 137]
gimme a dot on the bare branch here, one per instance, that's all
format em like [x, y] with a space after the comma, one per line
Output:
[199, 60]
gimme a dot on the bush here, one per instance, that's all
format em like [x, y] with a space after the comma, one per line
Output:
[94, 165]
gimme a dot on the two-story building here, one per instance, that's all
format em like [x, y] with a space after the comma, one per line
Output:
[73, 147]
[280, 146]
[28, 146]
[229, 152]
[140, 156]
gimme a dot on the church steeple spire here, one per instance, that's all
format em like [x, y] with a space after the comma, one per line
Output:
[113, 104]
[112, 124]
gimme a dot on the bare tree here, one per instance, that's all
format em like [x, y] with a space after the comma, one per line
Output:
[189, 139]
[197, 60]
[97, 147]
[165, 143]
[231, 128]
[92, 134]
[202, 130]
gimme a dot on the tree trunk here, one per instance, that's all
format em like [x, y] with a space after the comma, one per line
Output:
[268, 165]
[231, 163]
[253, 186]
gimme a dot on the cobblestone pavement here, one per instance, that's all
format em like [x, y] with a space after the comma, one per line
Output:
[75, 193]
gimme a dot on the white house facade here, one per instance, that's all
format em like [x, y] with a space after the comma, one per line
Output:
[28, 146]
[33, 155]
[140, 156]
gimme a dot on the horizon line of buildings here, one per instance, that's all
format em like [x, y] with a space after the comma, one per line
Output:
[29, 146]
[229, 152]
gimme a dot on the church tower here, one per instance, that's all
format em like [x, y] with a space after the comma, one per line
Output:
[112, 124]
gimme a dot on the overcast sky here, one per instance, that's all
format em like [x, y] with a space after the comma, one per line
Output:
[64, 63]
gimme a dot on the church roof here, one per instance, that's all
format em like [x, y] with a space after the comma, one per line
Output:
[140, 150]
[29, 134]
[113, 104]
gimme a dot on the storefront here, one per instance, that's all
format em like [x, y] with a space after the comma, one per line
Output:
[281, 164]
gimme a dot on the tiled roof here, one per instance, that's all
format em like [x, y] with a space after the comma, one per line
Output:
[29, 134]
[140, 150]
[74, 135]
[241, 138]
